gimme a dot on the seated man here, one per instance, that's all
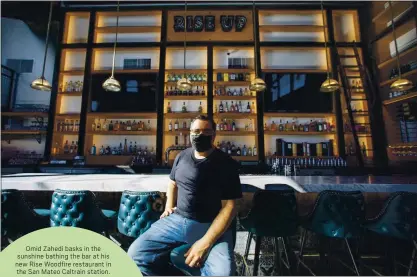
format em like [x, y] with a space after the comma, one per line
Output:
[199, 210]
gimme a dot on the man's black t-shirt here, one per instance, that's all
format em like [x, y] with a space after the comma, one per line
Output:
[202, 184]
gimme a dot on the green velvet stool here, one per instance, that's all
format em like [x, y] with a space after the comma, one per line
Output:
[397, 220]
[79, 208]
[137, 212]
[19, 217]
[274, 215]
[336, 215]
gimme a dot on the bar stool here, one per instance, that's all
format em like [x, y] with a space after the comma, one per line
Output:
[79, 208]
[273, 214]
[336, 214]
[137, 212]
[249, 188]
[397, 220]
[18, 217]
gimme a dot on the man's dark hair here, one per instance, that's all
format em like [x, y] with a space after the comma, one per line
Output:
[205, 118]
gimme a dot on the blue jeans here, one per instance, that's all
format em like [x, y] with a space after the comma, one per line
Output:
[151, 251]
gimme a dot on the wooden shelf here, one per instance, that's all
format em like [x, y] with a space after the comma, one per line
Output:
[293, 70]
[357, 114]
[299, 115]
[63, 133]
[23, 132]
[177, 133]
[291, 28]
[403, 144]
[388, 82]
[234, 70]
[128, 29]
[125, 71]
[245, 158]
[291, 133]
[122, 133]
[235, 115]
[183, 115]
[108, 160]
[385, 16]
[25, 114]
[360, 134]
[70, 93]
[225, 97]
[72, 72]
[402, 54]
[122, 115]
[236, 133]
[231, 83]
[63, 156]
[187, 71]
[130, 13]
[194, 83]
[67, 115]
[401, 98]
[185, 97]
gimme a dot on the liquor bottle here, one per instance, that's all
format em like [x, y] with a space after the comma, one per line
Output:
[235, 93]
[241, 92]
[226, 77]
[248, 108]
[93, 126]
[141, 126]
[102, 150]
[287, 127]
[169, 108]
[203, 92]
[148, 127]
[300, 128]
[93, 150]
[176, 125]
[246, 93]
[273, 126]
[184, 108]
[71, 150]
[237, 108]
[227, 108]
[232, 76]
[229, 92]
[129, 126]
[170, 126]
[244, 151]
[233, 126]
[114, 151]
[240, 107]
[253, 107]
[176, 140]
[135, 148]
[116, 126]
[130, 148]
[363, 149]
[108, 150]
[221, 110]
[306, 127]
[319, 126]
[135, 125]
[104, 127]
[325, 129]
[241, 77]
[66, 147]
[247, 77]
[294, 126]
[250, 153]
[197, 92]
[125, 147]
[167, 91]
[251, 126]
[238, 151]
[98, 126]
[120, 150]
[281, 126]
[232, 108]
[200, 108]
[184, 125]
[254, 151]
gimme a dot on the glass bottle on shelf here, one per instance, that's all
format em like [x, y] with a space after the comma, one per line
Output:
[229, 92]
[248, 110]
[169, 108]
[237, 108]
[246, 93]
[250, 153]
[197, 92]
[200, 108]
[232, 77]
[203, 92]
[240, 107]
[72, 146]
[319, 126]
[125, 147]
[287, 127]
[244, 150]
[255, 151]
[131, 148]
[98, 125]
[184, 108]
[117, 126]
[128, 126]
[306, 127]
[227, 108]
[300, 128]
[273, 126]
[265, 127]
[184, 125]
[102, 151]
[293, 126]
[94, 126]
[235, 93]
[148, 128]
[313, 126]
[66, 147]
[247, 77]
[204, 77]
[232, 108]
[120, 149]
[281, 126]
[226, 77]
[170, 126]
[221, 109]
[105, 127]
[135, 149]
[251, 126]
[233, 126]
[93, 150]
[241, 92]
[176, 125]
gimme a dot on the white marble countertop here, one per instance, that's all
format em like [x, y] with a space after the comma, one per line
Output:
[143, 182]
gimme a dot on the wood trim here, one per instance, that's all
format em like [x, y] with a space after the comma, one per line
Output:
[300, 115]
[128, 29]
[291, 28]
[122, 115]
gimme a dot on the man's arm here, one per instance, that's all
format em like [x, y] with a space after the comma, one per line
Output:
[196, 254]
[171, 203]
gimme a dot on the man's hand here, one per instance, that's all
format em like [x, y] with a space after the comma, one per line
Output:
[197, 253]
[167, 212]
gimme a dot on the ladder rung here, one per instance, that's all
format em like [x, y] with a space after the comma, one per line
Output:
[347, 56]
[353, 77]
[350, 66]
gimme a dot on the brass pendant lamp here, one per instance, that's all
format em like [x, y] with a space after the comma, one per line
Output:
[184, 84]
[400, 84]
[256, 84]
[111, 84]
[329, 85]
[41, 83]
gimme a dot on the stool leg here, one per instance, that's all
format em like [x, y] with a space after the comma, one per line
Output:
[277, 256]
[413, 256]
[300, 255]
[287, 244]
[352, 257]
[257, 253]
[248, 243]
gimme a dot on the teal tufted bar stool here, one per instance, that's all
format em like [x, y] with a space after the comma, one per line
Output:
[79, 208]
[273, 215]
[397, 220]
[336, 215]
[18, 217]
[137, 212]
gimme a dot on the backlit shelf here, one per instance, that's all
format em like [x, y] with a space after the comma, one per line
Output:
[128, 29]
[122, 115]
[185, 97]
[388, 82]
[226, 97]
[401, 98]
[235, 115]
[183, 115]
[125, 71]
[236, 133]
[291, 28]
[231, 83]
[291, 133]
[300, 115]
[122, 133]
[402, 54]
[25, 114]
[233, 70]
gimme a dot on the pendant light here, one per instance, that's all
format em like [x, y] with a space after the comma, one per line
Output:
[256, 84]
[111, 84]
[41, 83]
[329, 85]
[400, 84]
[184, 84]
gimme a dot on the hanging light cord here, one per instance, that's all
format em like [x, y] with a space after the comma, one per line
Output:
[115, 42]
[395, 40]
[185, 36]
[255, 38]
[325, 40]
[46, 41]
